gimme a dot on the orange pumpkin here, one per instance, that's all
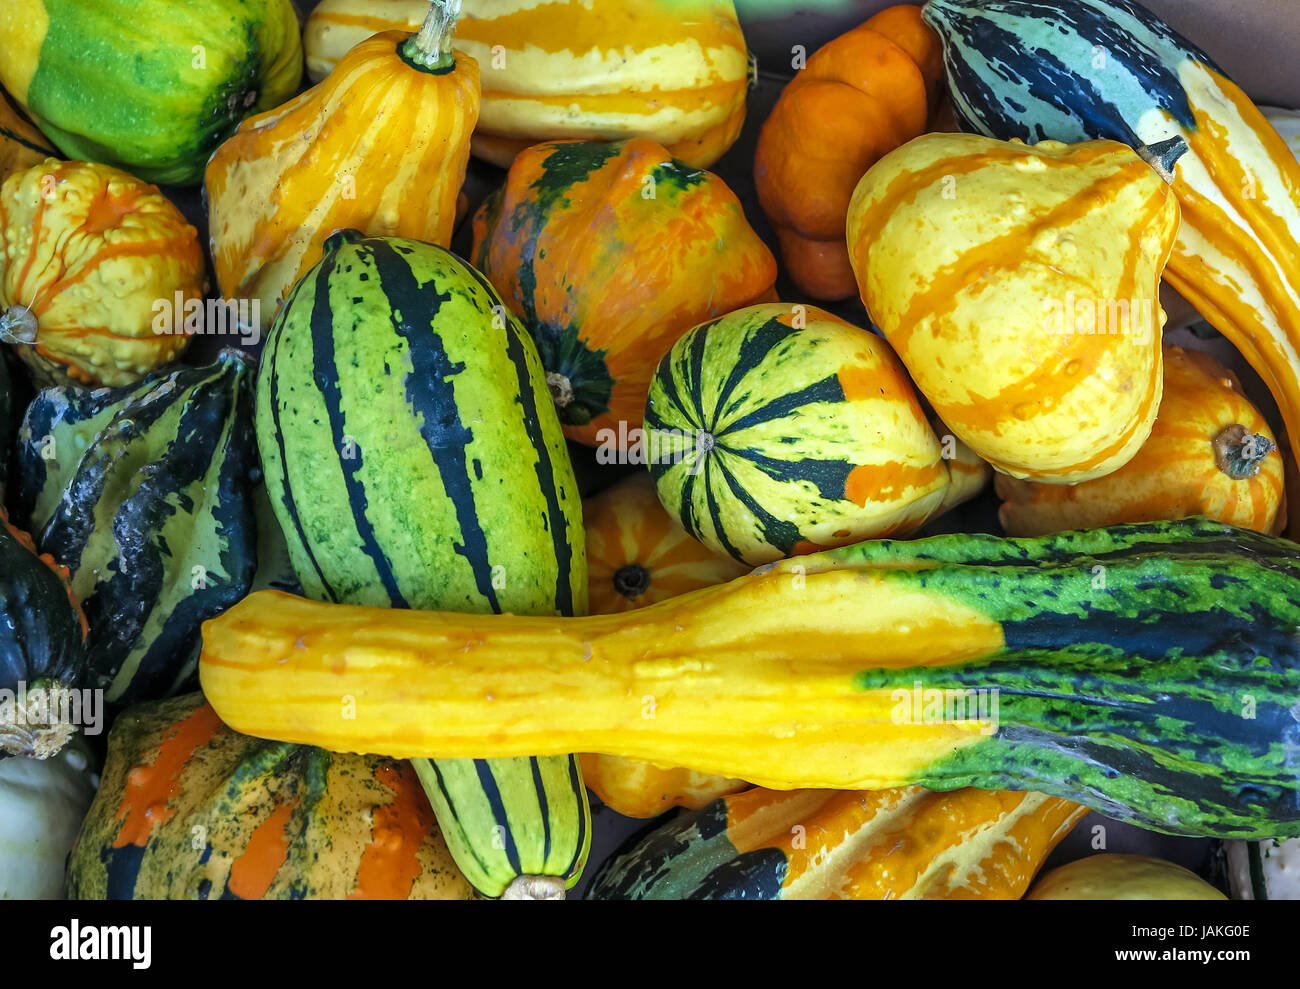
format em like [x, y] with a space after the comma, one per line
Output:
[859, 97]
[92, 261]
[380, 146]
[637, 555]
[609, 252]
[1210, 453]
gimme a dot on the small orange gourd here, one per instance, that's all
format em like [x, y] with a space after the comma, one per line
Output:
[1210, 453]
[379, 146]
[859, 97]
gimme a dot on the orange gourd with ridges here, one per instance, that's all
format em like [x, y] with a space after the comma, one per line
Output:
[859, 97]
[1210, 453]
[380, 146]
[609, 253]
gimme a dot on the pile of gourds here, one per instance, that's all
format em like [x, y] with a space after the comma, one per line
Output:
[351, 619]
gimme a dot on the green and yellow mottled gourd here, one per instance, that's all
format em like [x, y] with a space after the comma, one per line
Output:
[1106, 667]
[900, 844]
[189, 810]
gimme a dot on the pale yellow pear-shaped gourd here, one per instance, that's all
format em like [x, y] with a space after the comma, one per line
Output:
[1020, 286]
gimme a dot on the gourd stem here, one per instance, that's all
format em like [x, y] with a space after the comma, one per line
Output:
[561, 389]
[34, 729]
[632, 580]
[430, 48]
[1164, 155]
[1238, 452]
[535, 888]
[18, 325]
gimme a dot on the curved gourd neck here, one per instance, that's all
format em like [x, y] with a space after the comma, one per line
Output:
[429, 50]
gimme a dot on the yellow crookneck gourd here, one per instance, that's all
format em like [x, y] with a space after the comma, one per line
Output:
[379, 146]
[1020, 286]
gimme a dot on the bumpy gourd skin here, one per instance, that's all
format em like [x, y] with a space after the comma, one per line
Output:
[91, 251]
[991, 265]
[188, 809]
[1147, 671]
[151, 87]
[900, 844]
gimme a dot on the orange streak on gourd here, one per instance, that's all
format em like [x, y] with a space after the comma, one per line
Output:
[390, 863]
[252, 873]
[151, 786]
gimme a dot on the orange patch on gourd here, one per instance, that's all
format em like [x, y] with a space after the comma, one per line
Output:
[390, 863]
[252, 873]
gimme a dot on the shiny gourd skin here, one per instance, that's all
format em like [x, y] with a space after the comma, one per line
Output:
[42, 644]
[1116, 684]
[673, 71]
[189, 810]
[380, 146]
[990, 266]
[777, 430]
[1237, 253]
[87, 255]
[1210, 453]
[150, 86]
[638, 555]
[899, 844]
[608, 252]
[859, 96]
[1122, 877]
[21, 144]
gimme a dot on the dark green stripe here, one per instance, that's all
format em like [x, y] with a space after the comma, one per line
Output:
[579, 793]
[827, 390]
[540, 786]
[492, 791]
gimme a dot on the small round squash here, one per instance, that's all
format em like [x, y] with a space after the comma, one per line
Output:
[1112, 876]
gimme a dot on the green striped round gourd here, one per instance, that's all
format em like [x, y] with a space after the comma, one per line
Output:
[778, 430]
[189, 809]
[145, 494]
[415, 460]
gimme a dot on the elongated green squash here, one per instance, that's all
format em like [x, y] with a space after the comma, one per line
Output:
[901, 844]
[150, 86]
[414, 459]
[146, 494]
[1148, 671]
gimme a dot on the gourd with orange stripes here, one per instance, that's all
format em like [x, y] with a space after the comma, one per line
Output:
[87, 255]
[637, 555]
[1237, 254]
[189, 809]
[900, 844]
[860, 96]
[380, 146]
[777, 430]
[1210, 453]
[673, 71]
[1020, 287]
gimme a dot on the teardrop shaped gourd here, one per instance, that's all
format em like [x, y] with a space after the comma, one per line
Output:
[638, 555]
[1112, 876]
[777, 430]
[1020, 287]
[673, 71]
[380, 146]
[189, 810]
[900, 844]
[1237, 253]
[608, 252]
[96, 269]
[1210, 453]
[859, 96]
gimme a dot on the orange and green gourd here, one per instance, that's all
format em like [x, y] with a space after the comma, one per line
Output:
[900, 844]
[189, 810]
[380, 146]
[673, 71]
[859, 96]
[1020, 287]
[1210, 453]
[608, 252]
[88, 255]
